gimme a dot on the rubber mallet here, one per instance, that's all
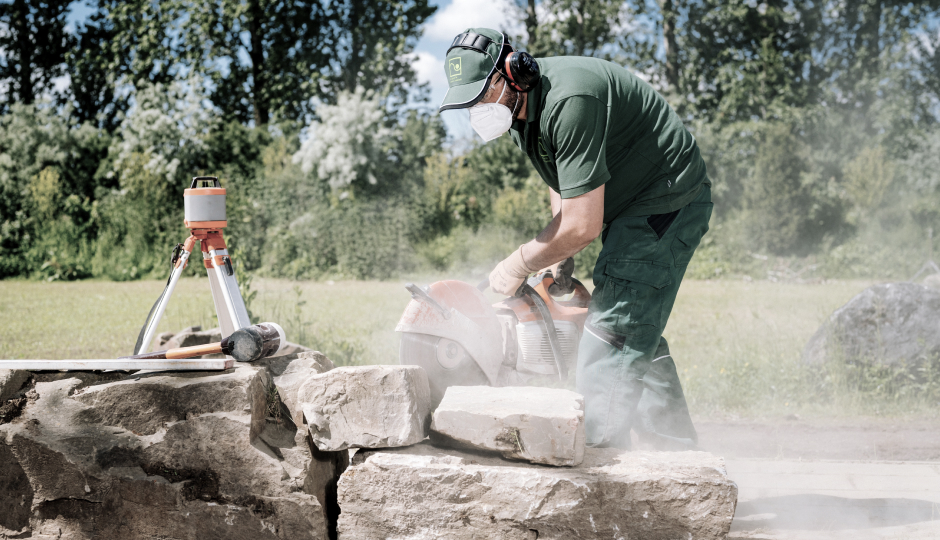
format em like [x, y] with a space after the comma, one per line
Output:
[245, 345]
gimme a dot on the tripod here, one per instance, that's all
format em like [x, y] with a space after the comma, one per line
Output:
[204, 209]
[204, 204]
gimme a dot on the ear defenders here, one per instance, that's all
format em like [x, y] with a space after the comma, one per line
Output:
[519, 68]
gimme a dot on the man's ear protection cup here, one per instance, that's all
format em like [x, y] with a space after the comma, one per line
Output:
[523, 71]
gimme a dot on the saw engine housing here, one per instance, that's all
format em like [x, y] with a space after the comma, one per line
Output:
[501, 344]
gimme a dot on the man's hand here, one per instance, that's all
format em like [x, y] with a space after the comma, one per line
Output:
[510, 274]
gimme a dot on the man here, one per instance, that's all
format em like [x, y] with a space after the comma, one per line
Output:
[619, 163]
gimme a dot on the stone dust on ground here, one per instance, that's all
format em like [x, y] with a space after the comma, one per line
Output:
[831, 479]
[879, 439]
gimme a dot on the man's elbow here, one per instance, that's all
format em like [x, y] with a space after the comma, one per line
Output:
[589, 230]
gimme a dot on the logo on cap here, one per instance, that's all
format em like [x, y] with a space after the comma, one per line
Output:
[454, 69]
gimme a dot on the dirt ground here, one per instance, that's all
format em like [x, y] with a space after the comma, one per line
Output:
[867, 439]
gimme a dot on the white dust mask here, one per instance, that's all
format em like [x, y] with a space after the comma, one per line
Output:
[491, 120]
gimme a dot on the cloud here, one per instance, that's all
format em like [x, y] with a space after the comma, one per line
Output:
[427, 67]
[463, 14]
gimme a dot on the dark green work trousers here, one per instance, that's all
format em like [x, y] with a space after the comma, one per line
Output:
[625, 372]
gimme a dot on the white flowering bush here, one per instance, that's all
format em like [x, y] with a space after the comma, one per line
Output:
[349, 143]
[168, 125]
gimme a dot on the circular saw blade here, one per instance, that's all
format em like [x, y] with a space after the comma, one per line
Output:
[445, 361]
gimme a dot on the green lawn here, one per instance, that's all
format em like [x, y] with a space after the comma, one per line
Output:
[737, 344]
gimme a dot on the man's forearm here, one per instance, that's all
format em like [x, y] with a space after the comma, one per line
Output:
[575, 224]
[555, 243]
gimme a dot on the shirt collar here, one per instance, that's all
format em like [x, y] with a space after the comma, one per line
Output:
[533, 103]
[531, 108]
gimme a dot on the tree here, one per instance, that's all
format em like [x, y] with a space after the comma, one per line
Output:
[569, 27]
[261, 56]
[141, 41]
[372, 46]
[94, 71]
[614, 30]
[47, 183]
[669, 12]
[532, 41]
[744, 60]
[861, 44]
[267, 58]
[34, 45]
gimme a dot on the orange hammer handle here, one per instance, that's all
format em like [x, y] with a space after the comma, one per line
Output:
[195, 350]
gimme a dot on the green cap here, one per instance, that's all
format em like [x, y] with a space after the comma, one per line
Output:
[469, 66]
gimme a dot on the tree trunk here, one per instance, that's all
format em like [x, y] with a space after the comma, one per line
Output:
[532, 29]
[25, 51]
[668, 10]
[867, 40]
[868, 47]
[259, 98]
[354, 64]
[578, 10]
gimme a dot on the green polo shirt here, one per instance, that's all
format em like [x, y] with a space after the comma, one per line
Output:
[591, 122]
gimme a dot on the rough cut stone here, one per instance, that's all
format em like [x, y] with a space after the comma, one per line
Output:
[295, 374]
[422, 492]
[366, 407]
[892, 324]
[164, 455]
[11, 380]
[541, 425]
[187, 337]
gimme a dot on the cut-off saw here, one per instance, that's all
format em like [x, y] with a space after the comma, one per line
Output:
[460, 339]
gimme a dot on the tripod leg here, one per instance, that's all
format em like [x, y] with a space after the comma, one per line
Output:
[229, 304]
[152, 324]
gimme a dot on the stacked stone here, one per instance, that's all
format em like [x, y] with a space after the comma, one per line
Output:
[262, 451]
[162, 455]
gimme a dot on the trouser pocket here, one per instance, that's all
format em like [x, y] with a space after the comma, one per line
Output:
[628, 300]
[692, 225]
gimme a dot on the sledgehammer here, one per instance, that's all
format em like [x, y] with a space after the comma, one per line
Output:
[246, 345]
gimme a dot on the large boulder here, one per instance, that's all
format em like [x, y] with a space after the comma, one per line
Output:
[540, 425]
[366, 407]
[893, 324]
[164, 455]
[423, 492]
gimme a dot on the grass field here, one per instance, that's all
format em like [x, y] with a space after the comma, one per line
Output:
[737, 344]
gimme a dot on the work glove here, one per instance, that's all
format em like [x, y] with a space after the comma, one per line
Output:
[509, 275]
[561, 273]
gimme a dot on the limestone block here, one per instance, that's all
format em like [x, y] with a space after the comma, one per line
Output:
[366, 407]
[168, 455]
[423, 492]
[540, 425]
[294, 375]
